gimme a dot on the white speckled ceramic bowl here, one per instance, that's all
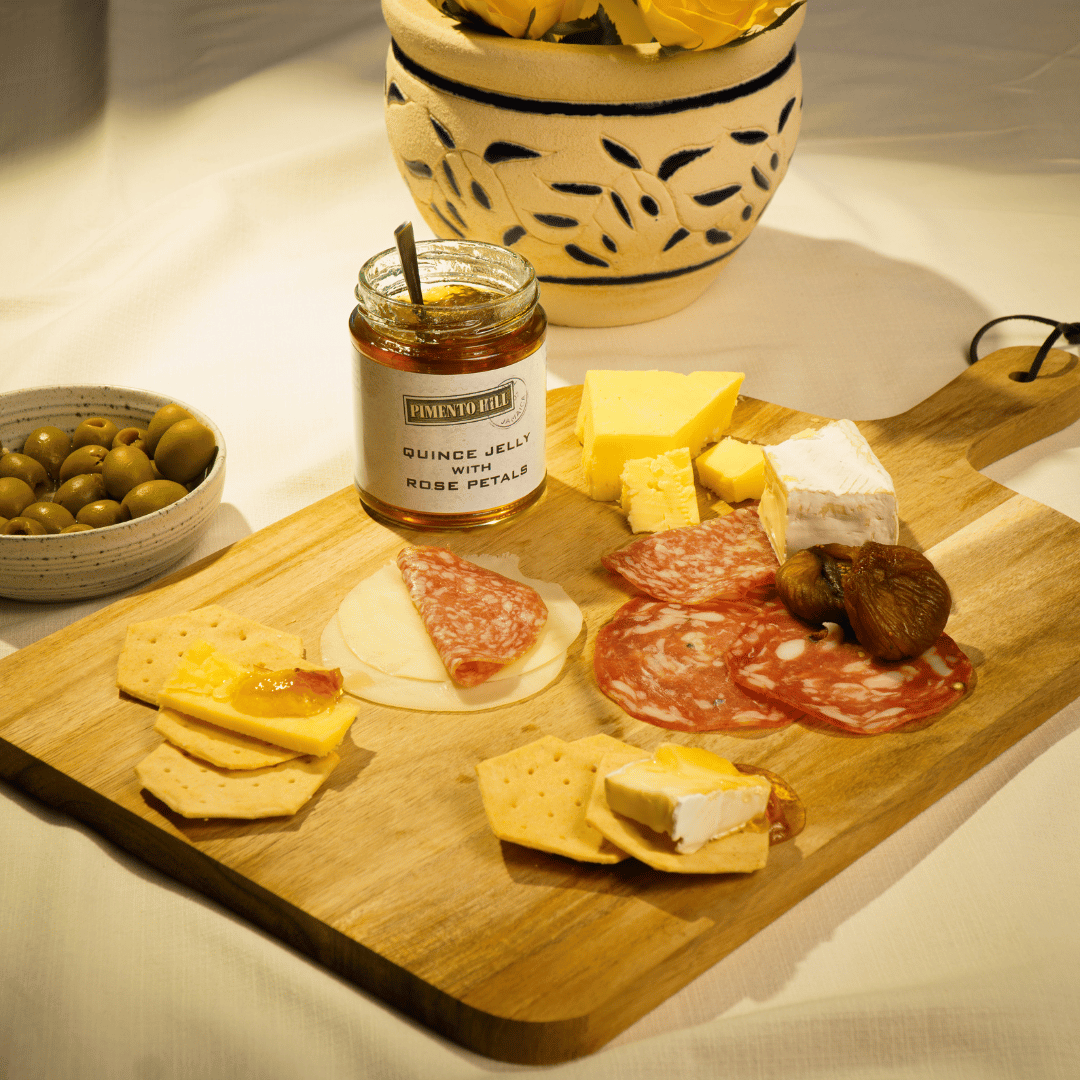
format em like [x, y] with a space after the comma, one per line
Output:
[78, 566]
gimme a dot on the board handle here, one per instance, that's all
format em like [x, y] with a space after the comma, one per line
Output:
[987, 412]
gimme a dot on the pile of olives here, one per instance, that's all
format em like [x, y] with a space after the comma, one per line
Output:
[102, 474]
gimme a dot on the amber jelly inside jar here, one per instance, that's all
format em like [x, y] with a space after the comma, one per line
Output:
[449, 395]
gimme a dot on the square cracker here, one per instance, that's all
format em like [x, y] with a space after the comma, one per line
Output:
[196, 789]
[737, 853]
[537, 795]
[226, 749]
[153, 648]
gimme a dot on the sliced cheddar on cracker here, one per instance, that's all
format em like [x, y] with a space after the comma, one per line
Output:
[153, 648]
[202, 686]
[197, 789]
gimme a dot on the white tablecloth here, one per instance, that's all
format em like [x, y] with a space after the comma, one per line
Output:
[187, 190]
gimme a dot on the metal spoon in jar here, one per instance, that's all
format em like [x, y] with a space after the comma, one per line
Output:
[406, 245]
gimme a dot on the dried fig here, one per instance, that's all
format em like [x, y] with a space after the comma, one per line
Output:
[896, 602]
[811, 582]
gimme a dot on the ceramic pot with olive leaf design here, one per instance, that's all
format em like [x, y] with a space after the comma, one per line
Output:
[627, 178]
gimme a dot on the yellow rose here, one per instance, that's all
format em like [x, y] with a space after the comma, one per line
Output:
[513, 15]
[703, 24]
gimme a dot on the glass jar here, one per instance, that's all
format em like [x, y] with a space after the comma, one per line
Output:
[450, 395]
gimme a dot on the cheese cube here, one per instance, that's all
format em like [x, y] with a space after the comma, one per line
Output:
[826, 487]
[201, 686]
[658, 493]
[691, 794]
[640, 414]
[733, 469]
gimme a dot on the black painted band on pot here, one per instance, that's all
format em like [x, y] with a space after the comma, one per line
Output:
[543, 107]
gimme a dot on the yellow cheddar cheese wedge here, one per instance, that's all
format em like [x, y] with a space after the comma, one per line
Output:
[641, 414]
[734, 470]
[202, 686]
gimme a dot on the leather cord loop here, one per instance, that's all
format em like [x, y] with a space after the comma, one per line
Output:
[1071, 331]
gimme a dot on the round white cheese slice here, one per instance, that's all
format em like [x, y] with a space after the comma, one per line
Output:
[382, 627]
[369, 683]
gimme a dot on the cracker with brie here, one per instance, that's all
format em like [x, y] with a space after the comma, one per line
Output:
[685, 811]
[682, 810]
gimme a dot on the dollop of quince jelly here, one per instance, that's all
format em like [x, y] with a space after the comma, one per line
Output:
[291, 692]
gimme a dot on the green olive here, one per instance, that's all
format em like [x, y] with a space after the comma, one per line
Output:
[162, 420]
[151, 496]
[52, 515]
[20, 526]
[130, 436]
[184, 451]
[102, 513]
[75, 493]
[49, 446]
[77, 527]
[87, 459]
[125, 468]
[28, 470]
[15, 496]
[94, 431]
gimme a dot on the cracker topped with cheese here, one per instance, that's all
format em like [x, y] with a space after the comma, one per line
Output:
[685, 810]
[153, 648]
[250, 728]
[298, 707]
[682, 810]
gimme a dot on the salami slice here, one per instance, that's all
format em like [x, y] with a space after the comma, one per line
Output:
[478, 620]
[838, 681]
[664, 664]
[725, 558]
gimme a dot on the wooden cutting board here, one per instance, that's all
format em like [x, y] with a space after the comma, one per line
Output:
[391, 877]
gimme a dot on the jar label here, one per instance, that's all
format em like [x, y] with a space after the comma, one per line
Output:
[450, 444]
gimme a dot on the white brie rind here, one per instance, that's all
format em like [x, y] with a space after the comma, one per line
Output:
[386, 656]
[692, 804]
[826, 486]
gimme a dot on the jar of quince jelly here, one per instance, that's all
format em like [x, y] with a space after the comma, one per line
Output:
[450, 395]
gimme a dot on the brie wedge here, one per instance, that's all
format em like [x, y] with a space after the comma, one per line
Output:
[691, 794]
[826, 487]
